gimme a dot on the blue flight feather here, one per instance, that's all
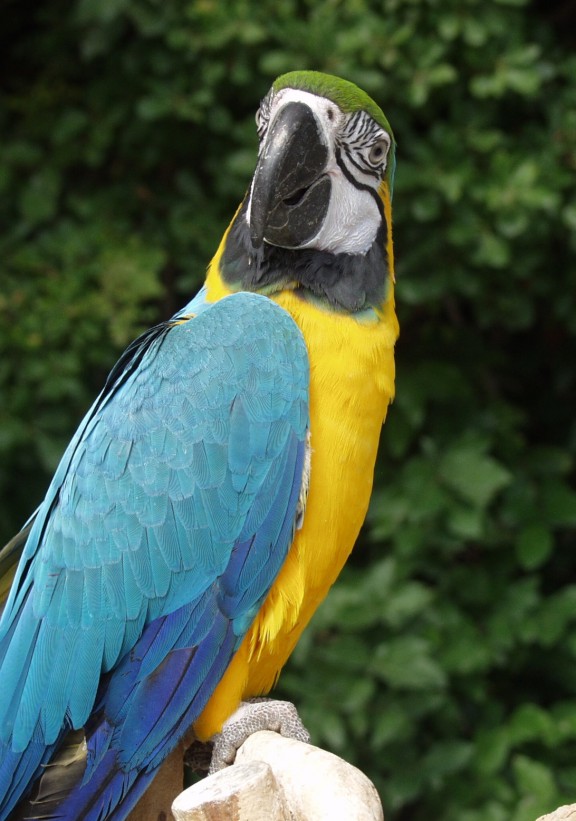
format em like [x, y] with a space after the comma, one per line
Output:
[166, 523]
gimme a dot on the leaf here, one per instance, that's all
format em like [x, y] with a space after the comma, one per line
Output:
[533, 778]
[533, 546]
[466, 522]
[405, 603]
[558, 505]
[531, 722]
[406, 664]
[492, 749]
[556, 615]
[389, 726]
[472, 475]
[445, 758]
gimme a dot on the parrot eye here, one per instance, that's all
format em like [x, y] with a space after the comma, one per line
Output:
[366, 143]
[377, 153]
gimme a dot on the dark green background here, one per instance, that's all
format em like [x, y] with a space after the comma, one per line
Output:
[444, 662]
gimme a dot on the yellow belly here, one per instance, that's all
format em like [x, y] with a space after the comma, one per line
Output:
[351, 385]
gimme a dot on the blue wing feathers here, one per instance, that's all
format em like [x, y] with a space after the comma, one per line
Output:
[163, 529]
[126, 776]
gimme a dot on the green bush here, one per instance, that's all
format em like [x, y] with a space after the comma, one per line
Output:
[444, 661]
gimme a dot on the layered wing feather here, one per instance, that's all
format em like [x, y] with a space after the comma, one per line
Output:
[166, 523]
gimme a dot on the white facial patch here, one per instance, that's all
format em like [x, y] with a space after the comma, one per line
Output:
[352, 221]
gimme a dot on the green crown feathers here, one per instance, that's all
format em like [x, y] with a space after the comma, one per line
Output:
[347, 96]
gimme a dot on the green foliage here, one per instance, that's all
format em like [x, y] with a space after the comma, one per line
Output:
[444, 661]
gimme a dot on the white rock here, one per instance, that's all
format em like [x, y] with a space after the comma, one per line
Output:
[244, 791]
[280, 779]
[318, 785]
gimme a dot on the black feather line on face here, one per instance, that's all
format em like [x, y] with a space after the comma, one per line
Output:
[356, 183]
[348, 283]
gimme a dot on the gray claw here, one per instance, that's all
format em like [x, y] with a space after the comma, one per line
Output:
[251, 717]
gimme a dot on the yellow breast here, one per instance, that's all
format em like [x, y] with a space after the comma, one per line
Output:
[351, 385]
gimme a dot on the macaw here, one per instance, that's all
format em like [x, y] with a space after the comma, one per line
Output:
[214, 490]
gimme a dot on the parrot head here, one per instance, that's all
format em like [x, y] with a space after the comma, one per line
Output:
[317, 216]
[324, 152]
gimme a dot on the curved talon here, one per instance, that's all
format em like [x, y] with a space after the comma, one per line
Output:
[251, 717]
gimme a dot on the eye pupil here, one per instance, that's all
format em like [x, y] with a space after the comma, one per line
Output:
[377, 152]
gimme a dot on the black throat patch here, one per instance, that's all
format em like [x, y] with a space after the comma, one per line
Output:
[344, 282]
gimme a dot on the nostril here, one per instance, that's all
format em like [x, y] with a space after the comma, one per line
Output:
[296, 197]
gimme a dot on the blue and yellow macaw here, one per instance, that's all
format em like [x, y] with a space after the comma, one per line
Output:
[214, 490]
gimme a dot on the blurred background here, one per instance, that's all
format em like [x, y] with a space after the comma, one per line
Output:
[444, 661]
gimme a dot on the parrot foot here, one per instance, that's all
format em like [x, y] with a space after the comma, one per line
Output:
[252, 716]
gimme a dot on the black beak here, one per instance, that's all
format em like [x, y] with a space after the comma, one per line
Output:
[290, 191]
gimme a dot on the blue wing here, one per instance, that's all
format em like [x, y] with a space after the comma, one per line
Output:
[166, 523]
